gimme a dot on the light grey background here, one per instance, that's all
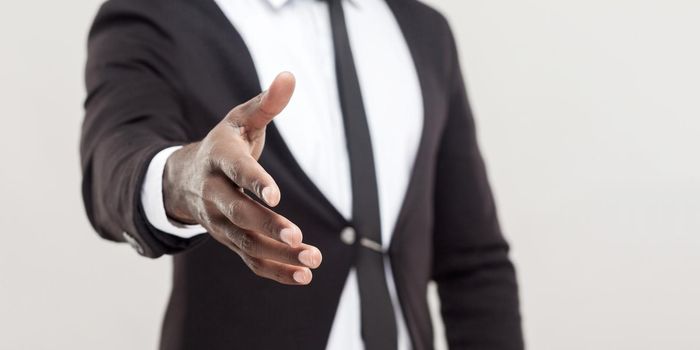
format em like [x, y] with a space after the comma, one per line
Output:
[589, 120]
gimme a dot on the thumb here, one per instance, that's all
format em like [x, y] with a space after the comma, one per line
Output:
[259, 111]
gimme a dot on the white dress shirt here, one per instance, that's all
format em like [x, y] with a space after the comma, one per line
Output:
[295, 36]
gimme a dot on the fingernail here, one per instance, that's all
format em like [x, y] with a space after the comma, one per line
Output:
[287, 235]
[302, 276]
[308, 258]
[268, 195]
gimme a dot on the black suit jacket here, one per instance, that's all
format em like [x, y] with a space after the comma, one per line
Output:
[164, 72]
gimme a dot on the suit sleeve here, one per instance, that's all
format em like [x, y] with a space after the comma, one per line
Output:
[476, 280]
[132, 111]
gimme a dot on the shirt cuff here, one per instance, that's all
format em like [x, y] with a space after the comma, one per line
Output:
[152, 199]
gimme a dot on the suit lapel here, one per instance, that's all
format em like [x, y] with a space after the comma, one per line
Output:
[417, 47]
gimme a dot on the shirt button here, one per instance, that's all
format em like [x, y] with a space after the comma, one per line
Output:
[132, 242]
[348, 235]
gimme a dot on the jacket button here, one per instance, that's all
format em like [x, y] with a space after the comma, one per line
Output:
[348, 235]
[133, 242]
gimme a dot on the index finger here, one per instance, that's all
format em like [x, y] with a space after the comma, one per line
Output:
[248, 214]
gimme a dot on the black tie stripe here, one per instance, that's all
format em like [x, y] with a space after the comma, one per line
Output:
[378, 320]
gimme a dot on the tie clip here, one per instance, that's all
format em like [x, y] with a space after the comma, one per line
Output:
[372, 245]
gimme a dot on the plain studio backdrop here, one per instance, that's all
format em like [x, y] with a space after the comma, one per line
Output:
[589, 119]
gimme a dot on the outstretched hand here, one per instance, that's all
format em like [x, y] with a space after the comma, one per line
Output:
[203, 183]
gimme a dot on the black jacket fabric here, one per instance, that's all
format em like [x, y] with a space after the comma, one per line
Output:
[164, 72]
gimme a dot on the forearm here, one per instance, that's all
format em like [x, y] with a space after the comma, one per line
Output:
[153, 201]
[476, 279]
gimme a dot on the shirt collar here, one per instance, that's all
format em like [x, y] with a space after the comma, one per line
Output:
[277, 4]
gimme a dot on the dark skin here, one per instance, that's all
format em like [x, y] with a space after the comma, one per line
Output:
[204, 181]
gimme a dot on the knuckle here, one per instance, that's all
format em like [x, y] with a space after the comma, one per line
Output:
[270, 224]
[209, 155]
[235, 114]
[211, 162]
[234, 211]
[233, 235]
[248, 245]
[273, 223]
[232, 168]
[280, 277]
[255, 265]
[208, 187]
[256, 186]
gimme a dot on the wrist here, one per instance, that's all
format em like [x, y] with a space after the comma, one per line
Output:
[175, 202]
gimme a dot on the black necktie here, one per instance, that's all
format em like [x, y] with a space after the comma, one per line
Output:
[378, 322]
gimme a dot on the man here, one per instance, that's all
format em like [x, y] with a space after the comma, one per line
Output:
[366, 150]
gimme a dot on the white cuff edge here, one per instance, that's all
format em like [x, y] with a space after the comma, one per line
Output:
[152, 199]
